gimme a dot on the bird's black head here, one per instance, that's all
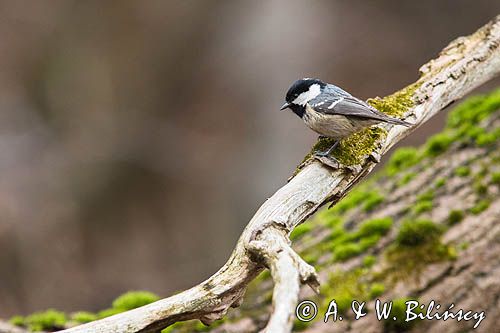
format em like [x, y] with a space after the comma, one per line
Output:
[301, 92]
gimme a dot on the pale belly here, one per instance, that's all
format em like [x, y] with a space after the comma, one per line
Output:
[334, 126]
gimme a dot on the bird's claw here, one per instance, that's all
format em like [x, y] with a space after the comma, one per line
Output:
[322, 154]
[328, 151]
[326, 158]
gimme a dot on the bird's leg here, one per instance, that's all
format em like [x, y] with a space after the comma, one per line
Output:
[327, 153]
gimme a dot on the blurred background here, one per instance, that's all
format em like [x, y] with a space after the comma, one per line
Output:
[137, 138]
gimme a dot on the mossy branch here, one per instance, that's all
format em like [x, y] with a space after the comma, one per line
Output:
[462, 66]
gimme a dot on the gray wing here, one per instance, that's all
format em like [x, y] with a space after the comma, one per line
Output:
[333, 90]
[351, 106]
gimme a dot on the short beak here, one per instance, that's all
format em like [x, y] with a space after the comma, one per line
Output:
[284, 106]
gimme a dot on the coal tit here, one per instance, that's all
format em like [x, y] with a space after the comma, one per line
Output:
[331, 111]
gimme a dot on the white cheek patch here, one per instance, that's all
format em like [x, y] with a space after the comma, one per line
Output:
[302, 99]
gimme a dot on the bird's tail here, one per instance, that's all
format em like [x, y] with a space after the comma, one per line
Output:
[396, 121]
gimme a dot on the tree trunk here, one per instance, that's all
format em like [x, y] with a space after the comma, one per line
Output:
[450, 195]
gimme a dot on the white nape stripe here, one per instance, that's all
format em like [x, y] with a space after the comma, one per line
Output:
[302, 99]
[335, 103]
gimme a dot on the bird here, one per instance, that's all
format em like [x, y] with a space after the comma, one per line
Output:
[331, 111]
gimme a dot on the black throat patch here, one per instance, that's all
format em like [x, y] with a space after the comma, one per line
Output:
[299, 110]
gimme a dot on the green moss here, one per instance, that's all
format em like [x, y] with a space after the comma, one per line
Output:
[495, 178]
[299, 326]
[421, 207]
[200, 327]
[408, 261]
[496, 133]
[372, 200]
[330, 220]
[369, 261]
[485, 139]
[17, 321]
[398, 310]
[49, 320]
[351, 200]
[108, 313]
[367, 242]
[301, 230]
[474, 132]
[378, 226]
[192, 326]
[83, 317]
[403, 158]
[311, 258]
[344, 287]
[480, 188]
[455, 216]
[376, 290]
[483, 171]
[473, 110]
[337, 235]
[323, 144]
[397, 104]
[466, 117]
[343, 252]
[353, 149]
[173, 327]
[406, 178]
[462, 126]
[350, 244]
[462, 171]
[415, 233]
[265, 275]
[169, 329]
[134, 299]
[128, 301]
[438, 143]
[450, 252]
[54, 320]
[480, 206]
[368, 199]
[344, 301]
[423, 203]
[440, 182]
[463, 246]
[426, 196]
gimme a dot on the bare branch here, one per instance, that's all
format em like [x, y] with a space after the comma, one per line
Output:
[462, 66]
[288, 270]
